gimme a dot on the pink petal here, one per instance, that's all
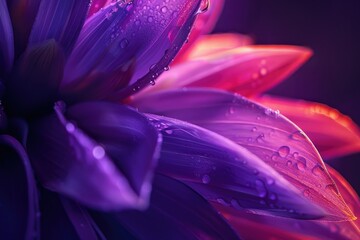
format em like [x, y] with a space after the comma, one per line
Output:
[264, 132]
[204, 23]
[246, 70]
[96, 5]
[333, 133]
[214, 43]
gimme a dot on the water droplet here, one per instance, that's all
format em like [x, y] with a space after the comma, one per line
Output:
[284, 151]
[164, 9]
[275, 156]
[167, 68]
[333, 228]
[152, 82]
[318, 170]
[289, 163]
[333, 188]
[137, 22]
[169, 131]
[70, 127]
[261, 138]
[306, 193]
[98, 152]
[263, 71]
[260, 187]
[297, 136]
[124, 43]
[150, 19]
[206, 179]
[273, 196]
[301, 163]
[254, 129]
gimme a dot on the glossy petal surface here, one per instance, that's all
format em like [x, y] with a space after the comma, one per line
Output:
[100, 154]
[224, 172]
[6, 39]
[146, 36]
[175, 212]
[333, 133]
[18, 193]
[246, 70]
[264, 132]
[59, 20]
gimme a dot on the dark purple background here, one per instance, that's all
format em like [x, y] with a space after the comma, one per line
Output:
[332, 30]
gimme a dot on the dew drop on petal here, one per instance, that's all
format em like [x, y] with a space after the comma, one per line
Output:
[98, 152]
[206, 179]
[70, 127]
[284, 151]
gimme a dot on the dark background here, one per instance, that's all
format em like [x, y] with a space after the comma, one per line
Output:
[332, 30]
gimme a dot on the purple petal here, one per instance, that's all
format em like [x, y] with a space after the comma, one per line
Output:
[59, 20]
[175, 212]
[18, 193]
[101, 154]
[22, 13]
[264, 132]
[55, 222]
[222, 171]
[34, 85]
[6, 39]
[123, 35]
[80, 219]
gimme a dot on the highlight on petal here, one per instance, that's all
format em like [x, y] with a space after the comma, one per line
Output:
[101, 154]
[248, 70]
[215, 43]
[131, 33]
[59, 20]
[175, 212]
[204, 23]
[34, 85]
[18, 192]
[224, 172]
[262, 131]
[6, 39]
[333, 133]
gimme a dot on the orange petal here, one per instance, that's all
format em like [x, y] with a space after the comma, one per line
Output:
[333, 133]
[247, 70]
[204, 23]
[213, 43]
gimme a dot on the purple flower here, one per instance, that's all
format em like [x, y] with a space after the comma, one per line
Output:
[81, 158]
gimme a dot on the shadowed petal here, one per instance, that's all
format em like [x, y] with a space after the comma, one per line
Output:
[264, 132]
[224, 172]
[37, 77]
[204, 23]
[101, 154]
[59, 20]
[246, 70]
[22, 13]
[6, 39]
[333, 133]
[175, 212]
[18, 193]
[146, 36]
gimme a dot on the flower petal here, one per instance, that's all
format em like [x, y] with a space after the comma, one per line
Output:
[252, 226]
[6, 39]
[204, 23]
[264, 132]
[248, 70]
[333, 133]
[18, 193]
[59, 20]
[55, 222]
[37, 77]
[146, 36]
[96, 5]
[22, 13]
[222, 171]
[101, 154]
[175, 212]
[215, 43]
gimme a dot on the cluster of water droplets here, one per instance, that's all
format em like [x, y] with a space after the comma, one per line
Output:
[257, 77]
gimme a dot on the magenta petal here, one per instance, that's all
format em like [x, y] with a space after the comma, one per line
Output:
[18, 192]
[101, 154]
[264, 132]
[6, 39]
[175, 212]
[224, 172]
[140, 34]
[59, 20]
